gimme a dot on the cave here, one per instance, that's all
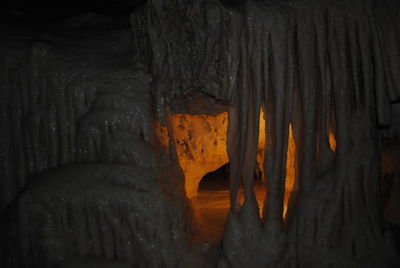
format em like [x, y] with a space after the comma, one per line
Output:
[200, 133]
[211, 204]
[215, 180]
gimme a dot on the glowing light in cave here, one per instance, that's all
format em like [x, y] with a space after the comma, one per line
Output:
[332, 140]
[290, 169]
[200, 145]
[201, 148]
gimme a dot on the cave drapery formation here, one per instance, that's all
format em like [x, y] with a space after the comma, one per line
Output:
[317, 69]
[316, 66]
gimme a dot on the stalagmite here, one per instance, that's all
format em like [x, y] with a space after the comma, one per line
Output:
[108, 126]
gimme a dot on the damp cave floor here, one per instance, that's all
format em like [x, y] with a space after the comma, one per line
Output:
[211, 206]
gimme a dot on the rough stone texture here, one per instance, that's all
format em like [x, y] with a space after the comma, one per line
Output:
[74, 94]
[115, 211]
[80, 164]
[90, 91]
[321, 66]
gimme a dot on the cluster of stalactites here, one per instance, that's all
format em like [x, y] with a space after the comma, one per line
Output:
[320, 69]
[320, 66]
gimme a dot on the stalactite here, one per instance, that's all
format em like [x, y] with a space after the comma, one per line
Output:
[316, 65]
[322, 71]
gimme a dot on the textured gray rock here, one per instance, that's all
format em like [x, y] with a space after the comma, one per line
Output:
[85, 100]
[115, 211]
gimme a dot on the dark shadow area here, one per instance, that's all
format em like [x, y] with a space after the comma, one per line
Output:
[215, 180]
[218, 180]
[41, 10]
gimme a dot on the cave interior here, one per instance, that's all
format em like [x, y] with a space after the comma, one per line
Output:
[200, 133]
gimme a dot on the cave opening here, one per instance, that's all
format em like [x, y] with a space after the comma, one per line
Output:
[200, 142]
[211, 203]
[82, 173]
[219, 179]
[215, 180]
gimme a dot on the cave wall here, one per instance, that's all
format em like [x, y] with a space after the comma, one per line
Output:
[85, 93]
[82, 172]
[71, 95]
[319, 65]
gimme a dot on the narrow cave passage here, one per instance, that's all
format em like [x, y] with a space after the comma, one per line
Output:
[211, 204]
[201, 150]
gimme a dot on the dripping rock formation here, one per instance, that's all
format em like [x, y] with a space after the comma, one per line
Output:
[108, 122]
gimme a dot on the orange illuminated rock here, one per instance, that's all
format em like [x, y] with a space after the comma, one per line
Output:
[200, 145]
[201, 148]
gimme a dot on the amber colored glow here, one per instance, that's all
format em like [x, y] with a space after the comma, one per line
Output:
[201, 148]
[211, 209]
[332, 140]
[290, 170]
[200, 145]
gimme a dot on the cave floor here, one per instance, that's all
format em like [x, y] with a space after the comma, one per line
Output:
[211, 206]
